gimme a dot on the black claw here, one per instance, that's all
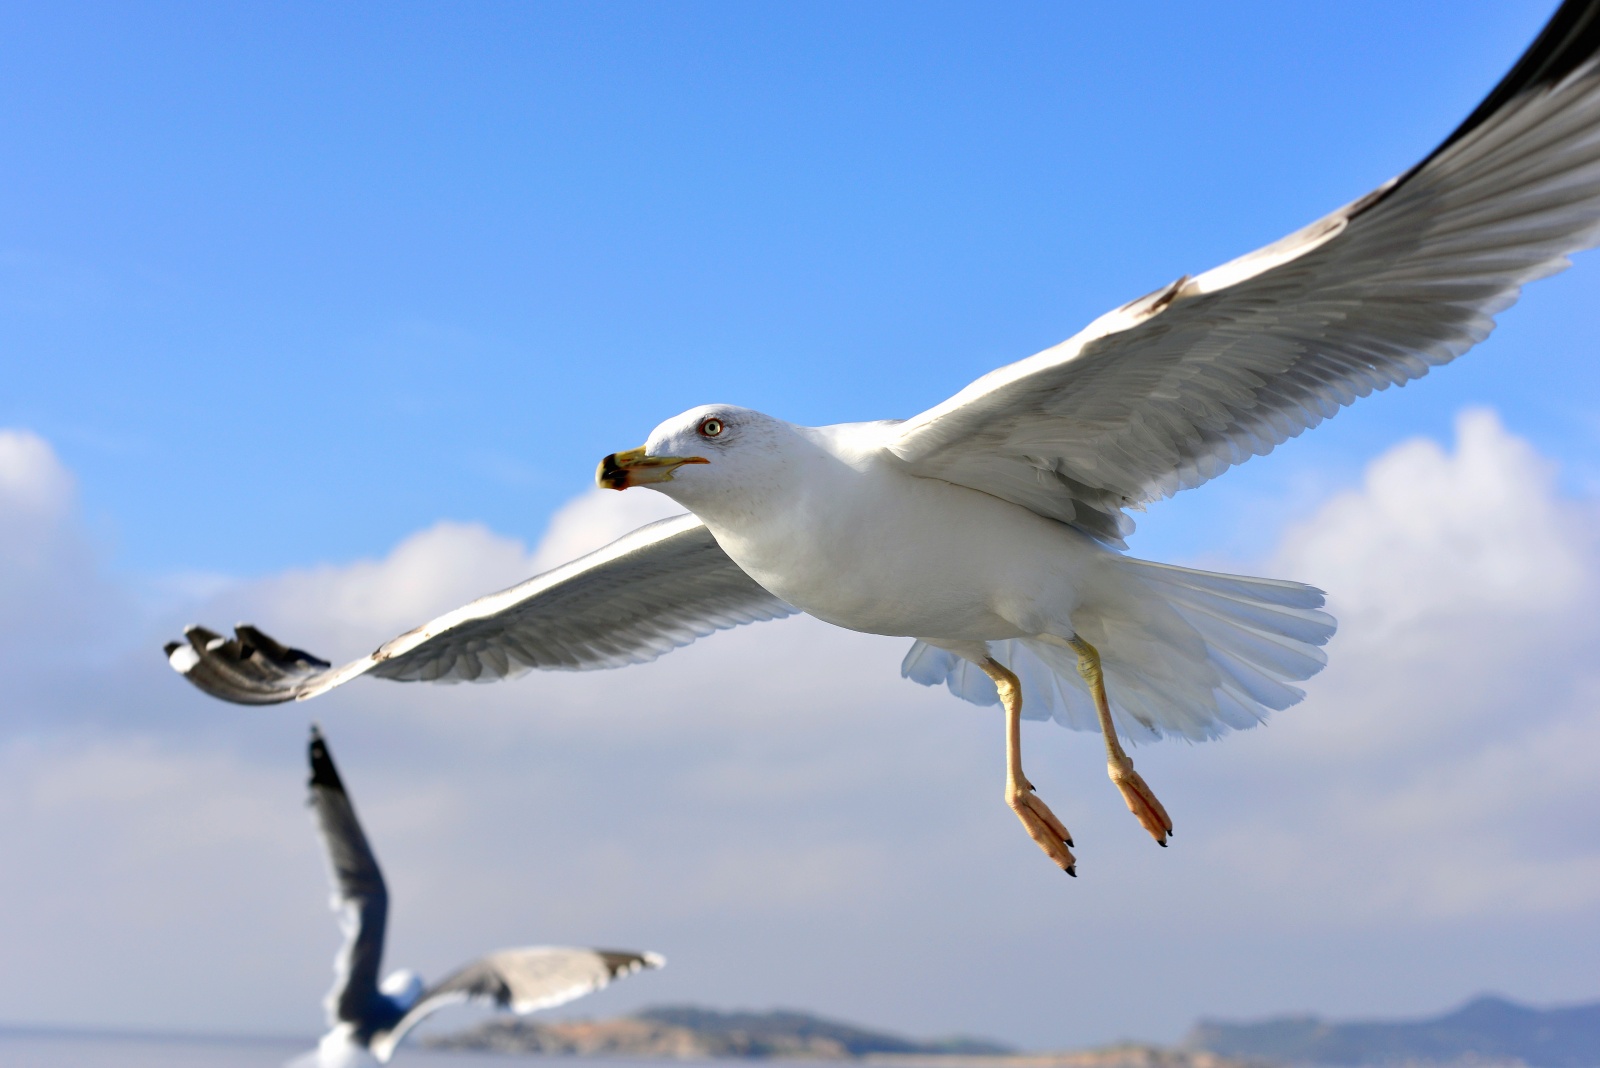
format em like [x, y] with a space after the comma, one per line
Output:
[1072, 870]
[1071, 844]
[1162, 843]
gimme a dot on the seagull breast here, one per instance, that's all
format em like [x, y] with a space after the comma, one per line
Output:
[827, 521]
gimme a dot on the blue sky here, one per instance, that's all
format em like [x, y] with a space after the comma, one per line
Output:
[284, 286]
[405, 262]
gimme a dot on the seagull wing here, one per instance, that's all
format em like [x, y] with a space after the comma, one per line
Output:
[359, 894]
[522, 980]
[645, 594]
[1170, 390]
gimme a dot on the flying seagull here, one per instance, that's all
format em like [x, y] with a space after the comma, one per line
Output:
[991, 527]
[364, 1014]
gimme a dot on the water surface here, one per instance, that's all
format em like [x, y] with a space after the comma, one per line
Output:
[46, 1049]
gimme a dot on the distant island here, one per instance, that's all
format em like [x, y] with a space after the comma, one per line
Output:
[690, 1032]
[693, 1033]
[1488, 1032]
[1485, 1031]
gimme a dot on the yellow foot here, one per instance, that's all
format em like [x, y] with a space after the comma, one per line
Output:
[1141, 802]
[1043, 827]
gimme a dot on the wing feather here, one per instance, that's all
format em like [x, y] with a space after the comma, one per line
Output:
[647, 593]
[522, 980]
[359, 894]
[1174, 388]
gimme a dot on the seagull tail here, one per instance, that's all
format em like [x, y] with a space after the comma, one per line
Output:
[1186, 652]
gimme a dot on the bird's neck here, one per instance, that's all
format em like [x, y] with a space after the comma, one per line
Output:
[765, 526]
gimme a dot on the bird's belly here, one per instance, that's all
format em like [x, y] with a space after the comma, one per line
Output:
[931, 560]
[866, 599]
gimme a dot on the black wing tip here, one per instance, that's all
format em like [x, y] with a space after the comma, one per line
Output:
[621, 962]
[252, 638]
[323, 771]
[251, 668]
[1569, 40]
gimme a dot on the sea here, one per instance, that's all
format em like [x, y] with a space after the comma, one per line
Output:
[68, 1049]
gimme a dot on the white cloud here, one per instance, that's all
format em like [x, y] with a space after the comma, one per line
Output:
[1431, 536]
[792, 823]
[137, 871]
[33, 483]
[1459, 704]
[369, 601]
[595, 519]
[1464, 585]
[346, 609]
[52, 595]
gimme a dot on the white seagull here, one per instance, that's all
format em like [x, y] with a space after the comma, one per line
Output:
[364, 1014]
[990, 527]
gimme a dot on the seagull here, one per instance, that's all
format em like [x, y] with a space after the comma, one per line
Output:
[367, 1015]
[991, 529]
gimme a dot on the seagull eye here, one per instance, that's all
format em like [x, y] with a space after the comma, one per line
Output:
[710, 428]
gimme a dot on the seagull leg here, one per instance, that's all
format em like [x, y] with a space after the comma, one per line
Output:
[1140, 799]
[1041, 824]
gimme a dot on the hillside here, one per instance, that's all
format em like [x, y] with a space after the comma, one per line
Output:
[686, 1032]
[690, 1032]
[1484, 1031]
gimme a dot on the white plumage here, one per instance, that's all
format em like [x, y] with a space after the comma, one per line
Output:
[1257, 638]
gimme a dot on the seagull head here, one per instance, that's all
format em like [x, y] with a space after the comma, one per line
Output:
[705, 451]
[403, 987]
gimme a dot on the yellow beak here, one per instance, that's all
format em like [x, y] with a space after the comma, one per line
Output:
[633, 468]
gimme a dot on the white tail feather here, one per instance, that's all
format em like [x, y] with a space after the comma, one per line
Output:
[1185, 652]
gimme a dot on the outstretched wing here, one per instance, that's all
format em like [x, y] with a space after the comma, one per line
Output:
[522, 980]
[1167, 392]
[645, 594]
[359, 894]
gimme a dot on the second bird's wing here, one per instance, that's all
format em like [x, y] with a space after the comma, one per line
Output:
[359, 894]
[522, 980]
[650, 591]
[1170, 390]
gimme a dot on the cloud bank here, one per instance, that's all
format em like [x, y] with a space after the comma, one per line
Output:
[793, 824]
[50, 586]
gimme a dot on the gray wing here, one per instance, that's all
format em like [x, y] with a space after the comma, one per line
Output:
[522, 980]
[1176, 387]
[645, 594]
[359, 894]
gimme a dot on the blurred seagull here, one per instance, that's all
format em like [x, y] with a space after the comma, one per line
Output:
[363, 1013]
[989, 527]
